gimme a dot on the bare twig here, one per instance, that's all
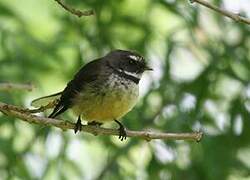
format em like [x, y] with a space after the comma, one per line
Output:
[14, 86]
[75, 11]
[224, 12]
[24, 115]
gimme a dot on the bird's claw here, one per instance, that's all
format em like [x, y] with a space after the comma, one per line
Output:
[78, 125]
[122, 133]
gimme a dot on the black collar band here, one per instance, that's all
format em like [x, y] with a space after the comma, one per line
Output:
[124, 75]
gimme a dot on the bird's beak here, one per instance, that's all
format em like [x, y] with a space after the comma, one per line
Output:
[147, 68]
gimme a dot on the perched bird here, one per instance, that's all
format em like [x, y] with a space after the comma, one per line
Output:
[103, 90]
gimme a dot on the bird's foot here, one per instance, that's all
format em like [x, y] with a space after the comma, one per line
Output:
[78, 125]
[122, 131]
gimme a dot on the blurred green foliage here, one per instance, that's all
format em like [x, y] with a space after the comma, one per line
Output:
[201, 78]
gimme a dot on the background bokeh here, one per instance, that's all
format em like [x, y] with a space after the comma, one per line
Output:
[201, 81]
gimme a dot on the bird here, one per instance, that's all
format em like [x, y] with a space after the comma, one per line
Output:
[103, 90]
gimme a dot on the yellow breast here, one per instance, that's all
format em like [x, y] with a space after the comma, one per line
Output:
[106, 106]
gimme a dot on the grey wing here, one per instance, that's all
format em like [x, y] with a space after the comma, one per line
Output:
[85, 75]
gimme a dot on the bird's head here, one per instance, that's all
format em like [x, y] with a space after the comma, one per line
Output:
[128, 62]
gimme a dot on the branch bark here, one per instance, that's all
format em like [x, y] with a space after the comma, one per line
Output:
[15, 86]
[224, 12]
[25, 115]
[75, 11]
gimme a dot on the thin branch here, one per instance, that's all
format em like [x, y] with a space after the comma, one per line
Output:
[224, 12]
[15, 86]
[24, 115]
[75, 11]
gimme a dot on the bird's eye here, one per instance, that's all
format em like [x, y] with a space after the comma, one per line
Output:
[131, 62]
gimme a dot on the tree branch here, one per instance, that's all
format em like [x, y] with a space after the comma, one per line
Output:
[224, 12]
[75, 11]
[15, 86]
[25, 115]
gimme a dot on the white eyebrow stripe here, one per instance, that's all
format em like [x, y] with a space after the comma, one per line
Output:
[131, 74]
[133, 57]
